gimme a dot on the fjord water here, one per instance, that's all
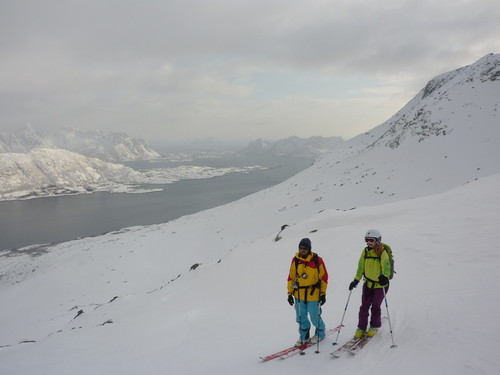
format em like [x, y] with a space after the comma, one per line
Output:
[57, 219]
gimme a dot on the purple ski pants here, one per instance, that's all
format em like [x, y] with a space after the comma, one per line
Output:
[371, 298]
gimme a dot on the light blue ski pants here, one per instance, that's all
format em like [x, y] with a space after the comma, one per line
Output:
[311, 308]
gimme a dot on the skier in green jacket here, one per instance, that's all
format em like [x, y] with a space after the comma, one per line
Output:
[374, 265]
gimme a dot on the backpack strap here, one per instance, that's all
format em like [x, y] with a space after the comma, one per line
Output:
[370, 257]
[318, 284]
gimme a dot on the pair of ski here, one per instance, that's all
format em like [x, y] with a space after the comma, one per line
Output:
[289, 352]
[352, 346]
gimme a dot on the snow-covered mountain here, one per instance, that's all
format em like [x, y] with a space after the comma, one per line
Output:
[293, 146]
[207, 293]
[112, 146]
[46, 172]
[23, 140]
[448, 135]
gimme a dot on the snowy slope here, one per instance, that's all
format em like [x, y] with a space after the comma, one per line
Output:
[219, 317]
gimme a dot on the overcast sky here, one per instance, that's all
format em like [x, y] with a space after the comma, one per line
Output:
[181, 69]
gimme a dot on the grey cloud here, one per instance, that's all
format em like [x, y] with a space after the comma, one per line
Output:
[182, 64]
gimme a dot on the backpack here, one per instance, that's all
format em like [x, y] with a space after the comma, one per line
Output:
[391, 259]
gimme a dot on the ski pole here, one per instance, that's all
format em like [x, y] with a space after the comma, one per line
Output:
[342, 321]
[318, 329]
[389, 318]
[297, 300]
[319, 319]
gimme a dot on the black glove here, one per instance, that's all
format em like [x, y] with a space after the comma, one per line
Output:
[290, 300]
[322, 300]
[353, 284]
[383, 280]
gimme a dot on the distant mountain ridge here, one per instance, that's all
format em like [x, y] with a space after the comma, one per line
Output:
[112, 146]
[293, 146]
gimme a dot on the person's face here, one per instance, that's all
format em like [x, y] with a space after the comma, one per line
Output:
[371, 242]
[303, 251]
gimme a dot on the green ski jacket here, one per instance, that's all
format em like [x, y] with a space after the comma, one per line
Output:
[371, 266]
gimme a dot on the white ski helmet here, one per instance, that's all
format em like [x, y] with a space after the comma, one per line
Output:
[373, 233]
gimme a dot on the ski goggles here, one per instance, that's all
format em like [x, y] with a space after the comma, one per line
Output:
[370, 240]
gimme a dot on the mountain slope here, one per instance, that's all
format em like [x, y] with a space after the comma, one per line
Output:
[453, 127]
